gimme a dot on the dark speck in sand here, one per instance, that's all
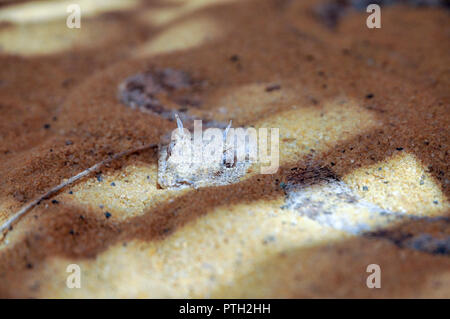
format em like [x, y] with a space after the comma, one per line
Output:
[365, 188]
[273, 87]
[107, 214]
[234, 58]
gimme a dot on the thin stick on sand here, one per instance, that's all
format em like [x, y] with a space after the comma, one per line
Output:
[6, 225]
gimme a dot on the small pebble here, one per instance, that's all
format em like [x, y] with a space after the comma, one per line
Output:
[365, 188]
[269, 239]
[107, 214]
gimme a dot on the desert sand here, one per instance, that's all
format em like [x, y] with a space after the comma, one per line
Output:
[365, 110]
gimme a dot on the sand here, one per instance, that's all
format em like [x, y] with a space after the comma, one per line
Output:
[371, 106]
